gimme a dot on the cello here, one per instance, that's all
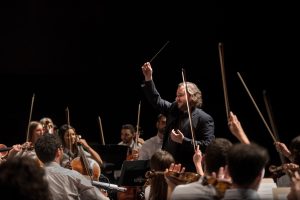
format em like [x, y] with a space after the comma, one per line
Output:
[84, 165]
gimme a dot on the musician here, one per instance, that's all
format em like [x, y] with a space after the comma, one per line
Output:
[48, 125]
[157, 188]
[154, 143]
[246, 167]
[128, 134]
[21, 178]
[178, 135]
[215, 161]
[293, 154]
[215, 158]
[63, 183]
[69, 140]
[26, 149]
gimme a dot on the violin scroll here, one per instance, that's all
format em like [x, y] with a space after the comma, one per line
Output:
[283, 168]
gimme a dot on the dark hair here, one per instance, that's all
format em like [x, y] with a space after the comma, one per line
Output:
[216, 154]
[46, 147]
[159, 161]
[245, 162]
[62, 130]
[32, 127]
[22, 178]
[130, 127]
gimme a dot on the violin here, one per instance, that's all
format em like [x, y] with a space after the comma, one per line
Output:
[221, 185]
[283, 168]
[177, 178]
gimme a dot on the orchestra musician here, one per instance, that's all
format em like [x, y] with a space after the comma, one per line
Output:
[157, 187]
[48, 125]
[154, 143]
[63, 183]
[27, 148]
[215, 158]
[70, 142]
[293, 154]
[128, 134]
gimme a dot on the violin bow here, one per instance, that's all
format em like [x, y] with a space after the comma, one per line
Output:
[221, 56]
[159, 51]
[138, 125]
[255, 105]
[272, 122]
[101, 131]
[69, 126]
[30, 115]
[188, 107]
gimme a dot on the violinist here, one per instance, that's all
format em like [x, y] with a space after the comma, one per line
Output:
[63, 183]
[48, 125]
[215, 158]
[246, 167]
[27, 148]
[128, 134]
[215, 161]
[69, 140]
[157, 188]
[154, 143]
[293, 154]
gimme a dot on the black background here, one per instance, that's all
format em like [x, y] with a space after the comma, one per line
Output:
[87, 56]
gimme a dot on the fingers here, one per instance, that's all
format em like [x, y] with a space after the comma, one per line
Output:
[176, 168]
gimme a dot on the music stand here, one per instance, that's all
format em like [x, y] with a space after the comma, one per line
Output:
[133, 172]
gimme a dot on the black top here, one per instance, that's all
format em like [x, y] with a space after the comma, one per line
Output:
[202, 123]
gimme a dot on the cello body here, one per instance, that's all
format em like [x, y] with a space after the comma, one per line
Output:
[93, 167]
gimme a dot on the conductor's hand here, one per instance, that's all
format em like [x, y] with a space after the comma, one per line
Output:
[177, 136]
[147, 71]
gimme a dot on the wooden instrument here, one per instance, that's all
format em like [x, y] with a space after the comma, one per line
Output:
[84, 165]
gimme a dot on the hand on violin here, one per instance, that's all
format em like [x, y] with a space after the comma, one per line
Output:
[222, 174]
[147, 71]
[177, 136]
[173, 168]
[176, 168]
[290, 166]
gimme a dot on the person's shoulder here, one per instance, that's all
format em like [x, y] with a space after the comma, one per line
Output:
[150, 140]
[195, 190]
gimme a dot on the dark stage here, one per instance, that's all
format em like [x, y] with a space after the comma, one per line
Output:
[87, 56]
